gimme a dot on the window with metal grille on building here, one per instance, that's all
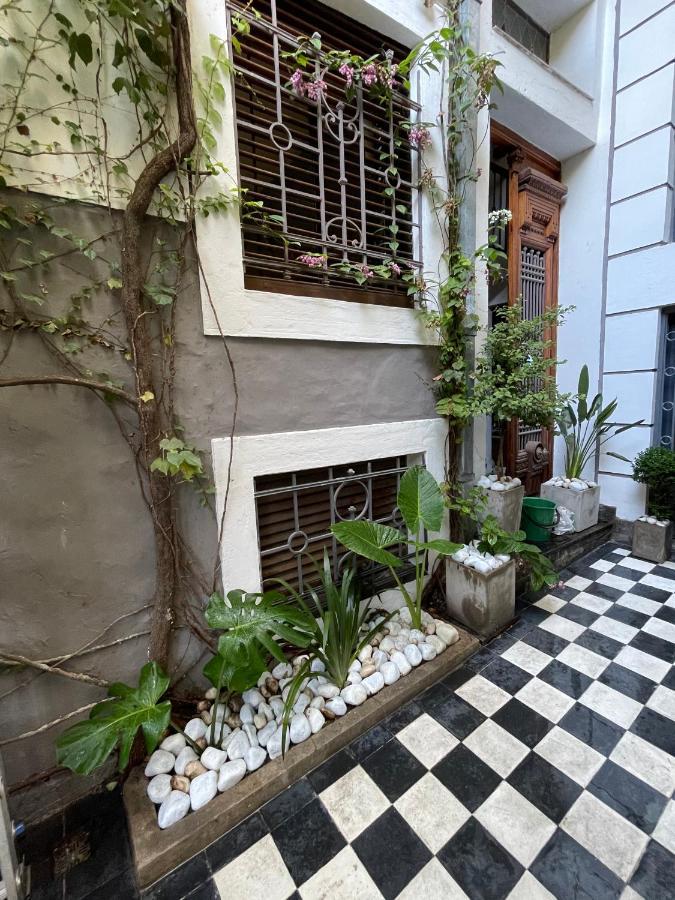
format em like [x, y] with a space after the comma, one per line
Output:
[320, 166]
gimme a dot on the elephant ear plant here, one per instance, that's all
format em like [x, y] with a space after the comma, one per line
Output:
[587, 427]
[421, 505]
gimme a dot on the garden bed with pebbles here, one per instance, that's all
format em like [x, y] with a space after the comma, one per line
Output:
[484, 563]
[573, 484]
[495, 483]
[249, 727]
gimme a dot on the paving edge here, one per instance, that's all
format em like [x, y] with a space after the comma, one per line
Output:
[157, 852]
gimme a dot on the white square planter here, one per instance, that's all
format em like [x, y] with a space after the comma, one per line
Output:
[652, 542]
[484, 603]
[506, 507]
[584, 504]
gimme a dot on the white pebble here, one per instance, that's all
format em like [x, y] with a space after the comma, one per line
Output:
[413, 655]
[246, 713]
[266, 733]
[195, 729]
[389, 672]
[317, 665]
[401, 662]
[174, 743]
[387, 645]
[212, 758]
[373, 683]
[237, 747]
[446, 632]
[231, 773]
[282, 670]
[365, 653]
[354, 694]
[254, 758]
[259, 721]
[159, 788]
[317, 703]
[354, 678]
[301, 704]
[416, 636]
[299, 729]
[328, 691]
[274, 743]
[277, 707]
[337, 706]
[253, 697]
[203, 788]
[251, 734]
[315, 719]
[159, 763]
[436, 643]
[174, 808]
[186, 755]
[427, 650]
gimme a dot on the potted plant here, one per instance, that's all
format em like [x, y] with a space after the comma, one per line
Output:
[584, 428]
[653, 533]
[514, 378]
[481, 578]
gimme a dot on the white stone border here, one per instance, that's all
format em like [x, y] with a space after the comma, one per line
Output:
[270, 454]
[247, 313]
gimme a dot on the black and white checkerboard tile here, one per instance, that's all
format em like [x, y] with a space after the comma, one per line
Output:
[543, 768]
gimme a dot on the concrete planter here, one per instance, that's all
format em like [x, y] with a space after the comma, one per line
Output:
[506, 507]
[584, 504]
[484, 603]
[652, 542]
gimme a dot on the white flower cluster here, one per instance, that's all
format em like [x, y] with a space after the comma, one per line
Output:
[498, 218]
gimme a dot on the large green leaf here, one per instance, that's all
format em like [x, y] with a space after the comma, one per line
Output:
[445, 548]
[369, 540]
[236, 673]
[88, 744]
[420, 500]
[582, 388]
[253, 623]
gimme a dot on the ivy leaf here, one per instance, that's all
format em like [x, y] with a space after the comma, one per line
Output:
[85, 746]
[147, 397]
[114, 283]
[80, 45]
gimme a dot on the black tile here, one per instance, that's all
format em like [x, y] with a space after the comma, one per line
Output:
[565, 592]
[604, 591]
[655, 876]
[582, 567]
[664, 572]
[656, 729]
[328, 772]
[578, 614]
[369, 742]
[534, 615]
[236, 841]
[542, 640]
[457, 678]
[669, 680]
[630, 796]
[207, 891]
[565, 678]
[466, 776]
[402, 717]
[627, 573]
[479, 660]
[307, 841]
[458, 716]
[591, 728]
[479, 864]
[394, 769]
[667, 613]
[649, 592]
[629, 683]
[181, 881]
[102, 816]
[521, 628]
[391, 853]
[434, 695]
[38, 841]
[47, 890]
[506, 676]
[123, 887]
[655, 646]
[570, 871]
[287, 803]
[522, 722]
[627, 616]
[546, 787]
[599, 643]
[501, 643]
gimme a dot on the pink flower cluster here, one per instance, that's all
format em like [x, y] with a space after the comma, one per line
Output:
[395, 268]
[315, 89]
[311, 260]
[419, 137]
[365, 270]
[369, 74]
[387, 75]
[347, 73]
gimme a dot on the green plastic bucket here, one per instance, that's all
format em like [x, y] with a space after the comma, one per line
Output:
[538, 518]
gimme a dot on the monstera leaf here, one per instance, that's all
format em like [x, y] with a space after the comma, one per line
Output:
[236, 673]
[420, 500]
[369, 539]
[88, 744]
[252, 623]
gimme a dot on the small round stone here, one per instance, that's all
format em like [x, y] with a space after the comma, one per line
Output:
[159, 788]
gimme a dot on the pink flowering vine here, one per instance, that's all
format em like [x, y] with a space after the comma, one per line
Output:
[419, 137]
[317, 89]
[311, 260]
[365, 270]
[387, 75]
[298, 83]
[369, 74]
[347, 73]
[395, 268]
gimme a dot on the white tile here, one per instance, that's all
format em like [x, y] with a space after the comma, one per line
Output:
[515, 823]
[611, 628]
[668, 565]
[622, 551]
[564, 628]
[616, 581]
[645, 761]
[257, 872]
[660, 628]
[670, 601]
[583, 660]
[591, 602]
[343, 878]
[496, 747]
[483, 694]
[528, 658]
[550, 603]
[545, 699]
[640, 565]
[354, 801]
[528, 888]
[657, 581]
[427, 740]
[629, 894]
[578, 583]
[663, 701]
[570, 755]
[434, 882]
[433, 813]
[606, 834]
[642, 663]
[611, 704]
[664, 832]
[639, 604]
[603, 565]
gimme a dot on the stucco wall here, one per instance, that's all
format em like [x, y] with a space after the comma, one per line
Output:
[76, 547]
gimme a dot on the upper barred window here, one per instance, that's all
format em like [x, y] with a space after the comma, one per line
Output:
[326, 155]
[508, 16]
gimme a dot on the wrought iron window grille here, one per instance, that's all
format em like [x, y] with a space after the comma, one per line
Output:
[513, 21]
[336, 172]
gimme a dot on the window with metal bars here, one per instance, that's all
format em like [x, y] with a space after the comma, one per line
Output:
[508, 16]
[322, 168]
[296, 509]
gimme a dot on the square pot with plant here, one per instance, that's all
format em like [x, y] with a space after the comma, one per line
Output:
[653, 532]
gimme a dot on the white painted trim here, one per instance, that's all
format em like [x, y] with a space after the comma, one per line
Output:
[267, 454]
[246, 313]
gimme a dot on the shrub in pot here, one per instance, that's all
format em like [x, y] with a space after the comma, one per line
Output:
[653, 533]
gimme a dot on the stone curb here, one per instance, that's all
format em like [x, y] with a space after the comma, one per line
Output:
[158, 852]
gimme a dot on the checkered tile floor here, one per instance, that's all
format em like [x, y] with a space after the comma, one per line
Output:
[543, 768]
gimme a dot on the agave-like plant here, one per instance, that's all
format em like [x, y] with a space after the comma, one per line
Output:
[587, 427]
